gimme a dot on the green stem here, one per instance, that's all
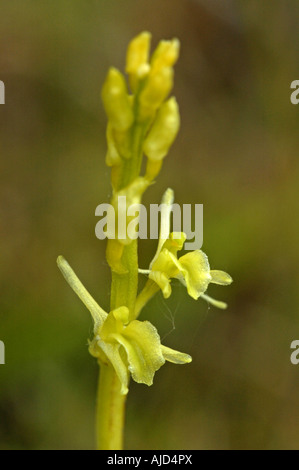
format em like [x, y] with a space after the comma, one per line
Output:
[111, 403]
[124, 286]
[110, 411]
[131, 166]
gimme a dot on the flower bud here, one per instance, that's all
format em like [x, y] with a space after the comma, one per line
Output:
[153, 168]
[114, 252]
[112, 156]
[163, 131]
[166, 54]
[137, 65]
[116, 101]
[155, 91]
[122, 201]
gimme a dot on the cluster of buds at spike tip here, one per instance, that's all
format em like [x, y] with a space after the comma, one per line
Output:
[141, 122]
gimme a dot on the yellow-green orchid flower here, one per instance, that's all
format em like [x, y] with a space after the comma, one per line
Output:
[192, 269]
[132, 347]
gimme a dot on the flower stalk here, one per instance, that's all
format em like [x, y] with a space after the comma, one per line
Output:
[110, 412]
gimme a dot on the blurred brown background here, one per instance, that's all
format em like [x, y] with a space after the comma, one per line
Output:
[237, 153]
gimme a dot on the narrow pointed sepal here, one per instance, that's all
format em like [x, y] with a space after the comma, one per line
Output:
[220, 277]
[175, 356]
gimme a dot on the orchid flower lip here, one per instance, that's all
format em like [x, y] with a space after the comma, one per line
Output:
[141, 344]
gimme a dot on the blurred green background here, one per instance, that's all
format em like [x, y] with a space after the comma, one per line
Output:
[237, 153]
